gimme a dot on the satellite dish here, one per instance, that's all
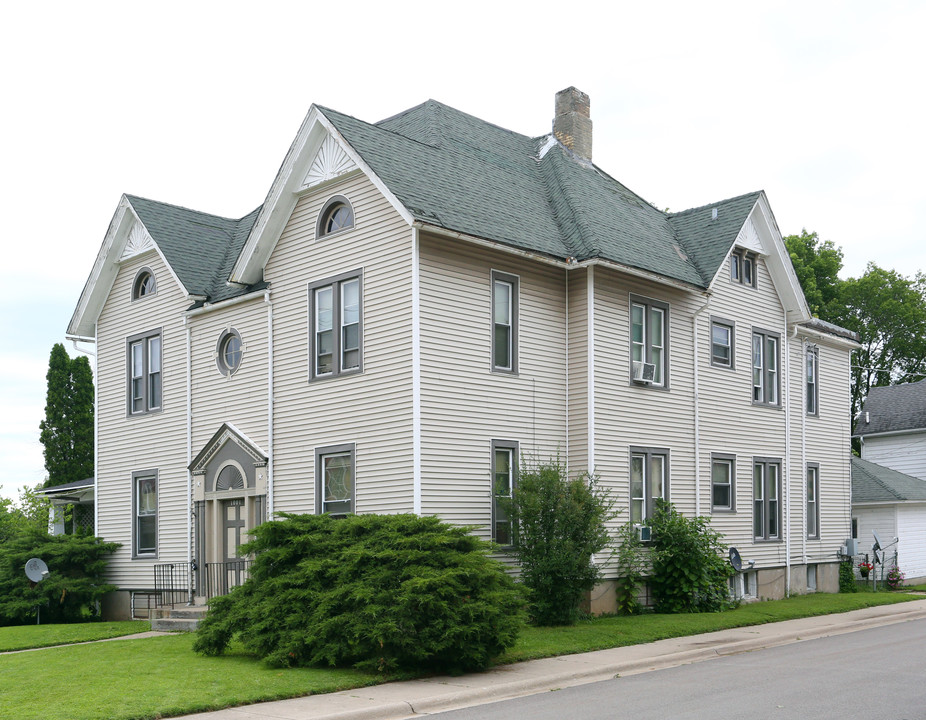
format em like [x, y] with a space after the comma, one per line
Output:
[735, 560]
[36, 570]
[877, 545]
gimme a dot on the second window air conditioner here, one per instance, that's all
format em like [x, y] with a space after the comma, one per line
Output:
[644, 372]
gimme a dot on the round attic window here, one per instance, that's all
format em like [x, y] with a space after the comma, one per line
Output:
[228, 352]
[336, 215]
[144, 284]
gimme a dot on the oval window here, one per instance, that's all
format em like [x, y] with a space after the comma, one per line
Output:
[229, 352]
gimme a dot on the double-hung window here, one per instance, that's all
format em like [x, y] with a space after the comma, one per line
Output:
[766, 386]
[504, 479]
[723, 484]
[811, 385]
[649, 481]
[334, 484]
[145, 525]
[721, 343]
[743, 267]
[144, 373]
[504, 322]
[813, 501]
[336, 319]
[649, 322]
[766, 498]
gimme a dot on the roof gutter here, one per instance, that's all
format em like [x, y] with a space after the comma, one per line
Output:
[908, 431]
[209, 307]
[568, 263]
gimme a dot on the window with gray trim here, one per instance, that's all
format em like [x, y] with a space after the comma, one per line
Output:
[336, 215]
[649, 481]
[145, 512]
[334, 479]
[504, 322]
[766, 494]
[504, 481]
[336, 325]
[722, 354]
[144, 373]
[649, 346]
[743, 267]
[144, 284]
[766, 384]
[813, 501]
[228, 352]
[723, 482]
[811, 384]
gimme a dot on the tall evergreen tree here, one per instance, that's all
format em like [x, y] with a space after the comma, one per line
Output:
[67, 430]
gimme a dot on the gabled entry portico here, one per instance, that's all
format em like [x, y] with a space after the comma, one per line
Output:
[229, 499]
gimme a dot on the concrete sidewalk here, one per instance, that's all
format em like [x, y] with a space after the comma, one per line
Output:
[396, 701]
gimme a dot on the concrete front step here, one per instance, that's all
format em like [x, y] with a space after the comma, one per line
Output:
[181, 619]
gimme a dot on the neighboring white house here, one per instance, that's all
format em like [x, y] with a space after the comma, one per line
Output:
[892, 427]
[424, 301]
[893, 505]
[72, 506]
[892, 431]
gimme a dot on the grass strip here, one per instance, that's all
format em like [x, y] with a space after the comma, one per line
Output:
[23, 637]
[162, 677]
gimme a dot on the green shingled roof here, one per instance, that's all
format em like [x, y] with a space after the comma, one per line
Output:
[455, 171]
[200, 248]
[875, 483]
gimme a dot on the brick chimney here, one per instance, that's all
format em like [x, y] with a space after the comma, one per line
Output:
[572, 124]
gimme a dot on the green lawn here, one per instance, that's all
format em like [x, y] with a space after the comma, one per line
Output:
[35, 636]
[161, 676]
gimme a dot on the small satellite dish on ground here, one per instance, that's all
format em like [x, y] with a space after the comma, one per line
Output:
[735, 560]
[36, 570]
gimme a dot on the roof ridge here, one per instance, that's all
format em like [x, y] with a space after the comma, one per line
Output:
[714, 204]
[187, 209]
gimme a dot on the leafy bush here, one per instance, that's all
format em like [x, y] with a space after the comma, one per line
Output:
[75, 577]
[847, 582]
[895, 578]
[689, 572]
[631, 568]
[376, 592]
[558, 524]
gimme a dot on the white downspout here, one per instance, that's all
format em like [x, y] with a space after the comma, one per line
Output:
[697, 413]
[802, 364]
[96, 445]
[416, 374]
[189, 453]
[566, 365]
[590, 299]
[786, 490]
[270, 409]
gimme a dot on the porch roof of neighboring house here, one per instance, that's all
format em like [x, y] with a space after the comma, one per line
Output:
[873, 483]
[76, 491]
[893, 408]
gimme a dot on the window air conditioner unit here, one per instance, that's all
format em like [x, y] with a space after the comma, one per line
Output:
[643, 533]
[644, 372]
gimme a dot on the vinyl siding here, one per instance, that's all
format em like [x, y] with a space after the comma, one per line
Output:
[241, 398]
[911, 549]
[373, 408]
[730, 422]
[464, 404]
[578, 333]
[156, 441]
[903, 453]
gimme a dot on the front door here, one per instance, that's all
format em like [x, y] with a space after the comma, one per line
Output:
[233, 530]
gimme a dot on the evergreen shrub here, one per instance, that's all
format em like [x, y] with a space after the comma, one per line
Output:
[385, 593]
[75, 583]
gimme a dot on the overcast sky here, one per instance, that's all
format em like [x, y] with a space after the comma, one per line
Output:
[821, 104]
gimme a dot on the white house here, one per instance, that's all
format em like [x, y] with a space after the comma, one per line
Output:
[420, 303]
[892, 432]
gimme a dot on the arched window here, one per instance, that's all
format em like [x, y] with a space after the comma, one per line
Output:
[144, 284]
[336, 215]
[229, 351]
